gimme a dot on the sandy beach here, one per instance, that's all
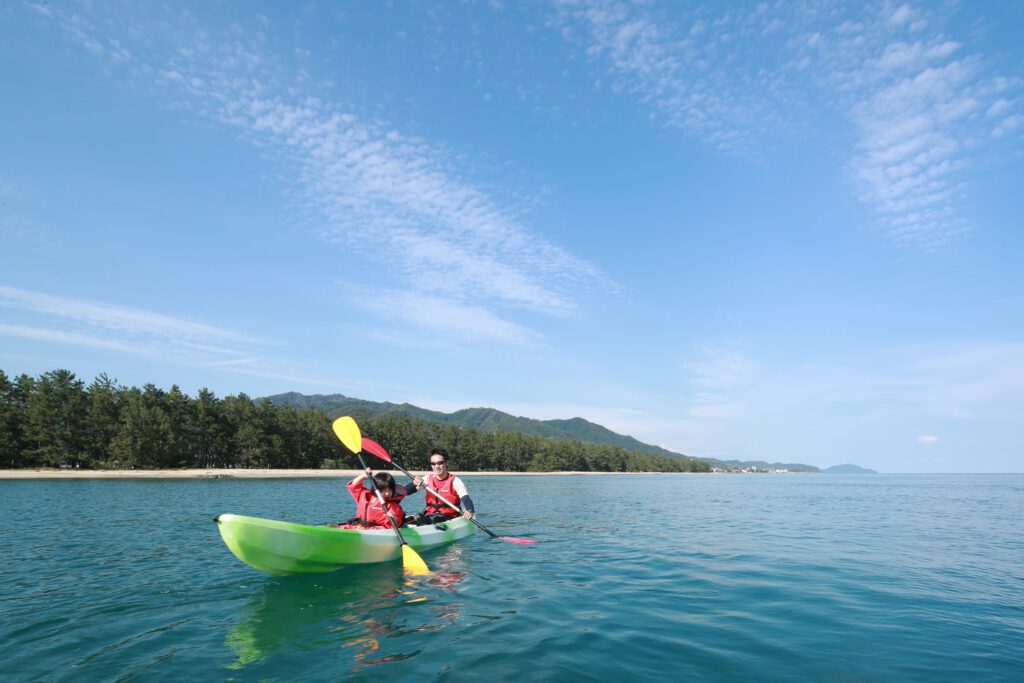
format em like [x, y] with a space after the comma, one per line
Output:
[236, 474]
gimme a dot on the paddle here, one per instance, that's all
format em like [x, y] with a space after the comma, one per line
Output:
[375, 448]
[346, 429]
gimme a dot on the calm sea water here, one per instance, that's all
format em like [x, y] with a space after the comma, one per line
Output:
[692, 577]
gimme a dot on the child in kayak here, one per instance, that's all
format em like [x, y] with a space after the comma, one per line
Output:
[369, 512]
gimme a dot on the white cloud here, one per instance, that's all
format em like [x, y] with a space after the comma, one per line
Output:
[966, 381]
[383, 193]
[13, 225]
[911, 152]
[927, 439]
[903, 14]
[83, 31]
[11, 189]
[402, 201]
[719, 410]
[999, 107]
[914, 97]
[444, 321]
[110, 327]
[976, 379]
[113, 317]
[70, 338]
[741, 78]
[678, 67]
[1008, 125]
[723, 367]
[721, 379]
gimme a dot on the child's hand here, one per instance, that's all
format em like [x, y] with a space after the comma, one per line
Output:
[369, 472]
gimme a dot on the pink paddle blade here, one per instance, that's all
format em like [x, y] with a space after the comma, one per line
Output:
[520, 541]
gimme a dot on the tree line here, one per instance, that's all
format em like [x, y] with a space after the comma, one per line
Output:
[56, 420]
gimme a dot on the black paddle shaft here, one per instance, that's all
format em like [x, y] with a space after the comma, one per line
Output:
[472, 519]
[380, 496]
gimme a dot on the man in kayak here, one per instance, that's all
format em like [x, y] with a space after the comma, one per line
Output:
[369, 512]
[449, 488]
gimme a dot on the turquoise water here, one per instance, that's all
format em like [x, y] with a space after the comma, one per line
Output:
[692, 577]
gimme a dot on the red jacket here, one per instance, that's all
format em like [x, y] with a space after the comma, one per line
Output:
[368, 507]
[446, 488]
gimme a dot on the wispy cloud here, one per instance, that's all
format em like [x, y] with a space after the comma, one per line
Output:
[84, 32]
[402, 201]
[383, 193]
[719, 379]
[920, 113]
[10, 189]
[109, 327]
[447, 322]
[14, 192]
[924, 384]
[682, 62]
[115, 318]
[970, 380]
[64, 337]
[919, 105]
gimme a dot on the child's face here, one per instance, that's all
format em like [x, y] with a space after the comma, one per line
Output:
[387, 493]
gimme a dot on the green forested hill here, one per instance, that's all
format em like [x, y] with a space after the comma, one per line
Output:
[491, 420]
[57, 420]
[483, 419]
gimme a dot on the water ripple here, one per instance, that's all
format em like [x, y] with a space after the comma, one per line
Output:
[634, 577]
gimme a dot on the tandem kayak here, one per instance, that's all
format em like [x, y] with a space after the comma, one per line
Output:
[283, 548]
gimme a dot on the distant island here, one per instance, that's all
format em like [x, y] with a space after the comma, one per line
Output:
[848, 469]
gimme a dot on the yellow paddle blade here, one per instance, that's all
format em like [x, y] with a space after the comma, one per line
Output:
[346, 429]
[412, 562]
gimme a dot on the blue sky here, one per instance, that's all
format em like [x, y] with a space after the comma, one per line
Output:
[779, 231]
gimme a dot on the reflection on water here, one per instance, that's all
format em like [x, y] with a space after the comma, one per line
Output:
[364, 610]
[820, 578]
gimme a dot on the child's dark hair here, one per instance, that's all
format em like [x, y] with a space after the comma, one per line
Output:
[439, 451]
[383, 480]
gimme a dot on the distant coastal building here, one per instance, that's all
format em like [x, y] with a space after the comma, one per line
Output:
[751, 470]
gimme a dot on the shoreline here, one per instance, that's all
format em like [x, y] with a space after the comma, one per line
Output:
[255, 474]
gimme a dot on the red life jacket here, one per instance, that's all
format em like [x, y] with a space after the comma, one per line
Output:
[369, 510]
[447, 489]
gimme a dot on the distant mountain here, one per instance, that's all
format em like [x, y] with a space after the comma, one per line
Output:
[848, 469]
[491, 420]
[483, 419]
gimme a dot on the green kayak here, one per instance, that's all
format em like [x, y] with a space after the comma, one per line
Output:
[283, 548]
